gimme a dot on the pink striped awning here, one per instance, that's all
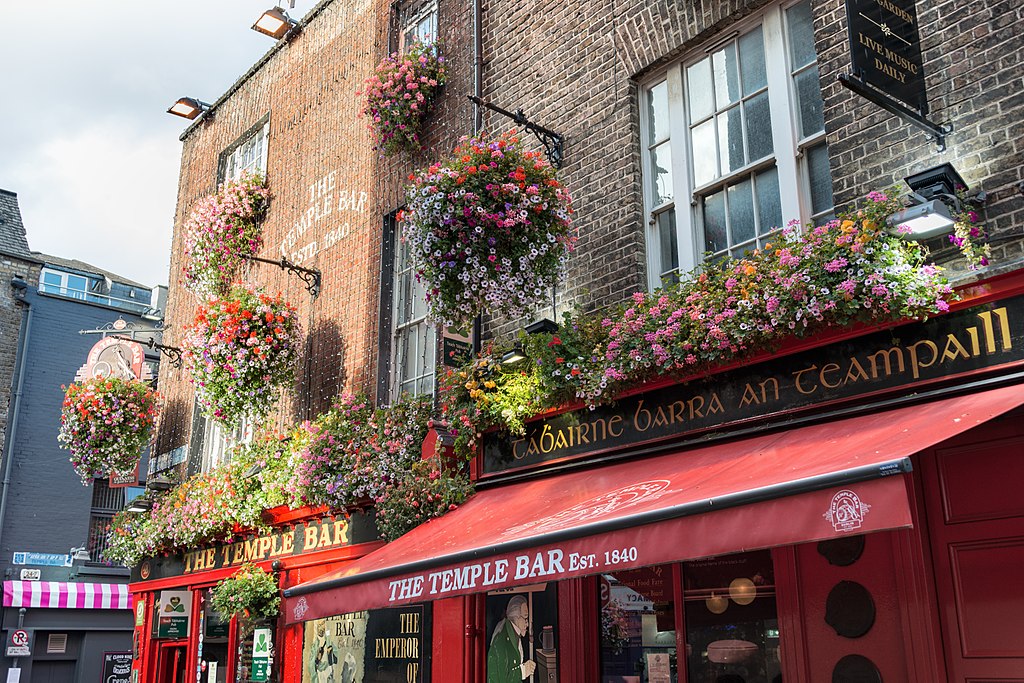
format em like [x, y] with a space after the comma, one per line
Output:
[64, 595]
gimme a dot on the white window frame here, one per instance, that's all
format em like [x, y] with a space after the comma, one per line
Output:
[241, 159]
[64, 288]
[219, 442]
[787, 156]
[422, 379]
[414, 17]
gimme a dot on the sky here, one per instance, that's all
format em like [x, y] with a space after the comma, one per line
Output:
[85, 140]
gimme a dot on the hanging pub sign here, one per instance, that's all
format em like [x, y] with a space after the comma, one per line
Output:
[115, 357]
[174, 610]
[986, 338]
[885, 49]
[885, 55]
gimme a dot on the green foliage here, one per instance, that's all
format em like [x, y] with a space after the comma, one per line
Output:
[250, 592]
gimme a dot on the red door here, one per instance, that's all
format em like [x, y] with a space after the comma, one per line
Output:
[974, 491]
[170, 666]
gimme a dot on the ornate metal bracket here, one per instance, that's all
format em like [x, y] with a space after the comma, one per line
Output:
[554, 143]
[173, 353]
[936, 132]
[310, 276]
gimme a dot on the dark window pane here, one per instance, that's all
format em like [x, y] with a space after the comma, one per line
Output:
[808, 95]
[661, 173]
[759, 127]
[668, 241]
[741, 213]
[820, 177]
[801, 34]
[752, 68]
[714, 222]
[730, 139]
[769, 202]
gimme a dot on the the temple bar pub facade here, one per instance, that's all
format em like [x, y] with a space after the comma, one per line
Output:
[838, 507]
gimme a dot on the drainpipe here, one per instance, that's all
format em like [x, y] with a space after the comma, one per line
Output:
[478, 66]
[20, 288]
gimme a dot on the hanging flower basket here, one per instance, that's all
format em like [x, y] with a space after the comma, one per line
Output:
[400, 94]
[249, 593]
[105, 423]
[489, 227]
[223, 228]
[240, 350]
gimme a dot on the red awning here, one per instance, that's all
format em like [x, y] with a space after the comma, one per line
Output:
[806, 484]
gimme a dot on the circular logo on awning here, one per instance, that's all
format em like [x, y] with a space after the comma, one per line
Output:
[595, 507]
[847, 511]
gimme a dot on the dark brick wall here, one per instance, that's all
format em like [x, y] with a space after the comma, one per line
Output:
[974, 82]
[47, 506]
[10, 325]
[316, 136]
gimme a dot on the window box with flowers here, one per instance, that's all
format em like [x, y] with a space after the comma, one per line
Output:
[222, 229]
[105, 423]
[490, 227]
[400, 94]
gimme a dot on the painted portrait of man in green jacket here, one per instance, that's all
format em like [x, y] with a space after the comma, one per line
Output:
[505, 660]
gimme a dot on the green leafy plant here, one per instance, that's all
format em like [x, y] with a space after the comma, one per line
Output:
[249, 593]
[428, 490]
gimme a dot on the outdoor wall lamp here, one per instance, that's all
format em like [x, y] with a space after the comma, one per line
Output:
[516, 355]
[159, 483]
[188, 108]
[79, 555]
[275, 23]
[140, 504]
[933, 191]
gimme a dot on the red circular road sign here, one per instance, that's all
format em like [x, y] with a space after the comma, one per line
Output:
[19, 638]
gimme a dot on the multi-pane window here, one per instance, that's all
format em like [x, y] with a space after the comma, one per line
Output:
[418, 23]
[734, 144]
[414, 340]
[63, 284]
[248, 154]
[219, 441]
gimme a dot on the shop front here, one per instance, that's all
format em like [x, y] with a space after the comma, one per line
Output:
[845, 510]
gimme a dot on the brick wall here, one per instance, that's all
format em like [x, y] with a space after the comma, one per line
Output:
[970, 54]
[10, 325]
[330, 193]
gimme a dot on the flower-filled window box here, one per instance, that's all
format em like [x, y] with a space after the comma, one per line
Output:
[105, 423]
[240, 350]
[400, 94]
[489, 227]
[221, 229]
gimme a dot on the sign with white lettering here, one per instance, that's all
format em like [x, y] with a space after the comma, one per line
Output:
[117, 667]
[975, 339]
[43, 559]
[261, 647]
[885, 49]
[19, 643]
[174, 613]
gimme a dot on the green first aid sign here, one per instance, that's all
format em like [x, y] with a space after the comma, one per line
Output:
[261, 654]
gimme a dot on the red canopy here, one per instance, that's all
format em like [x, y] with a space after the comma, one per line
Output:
[806, 484]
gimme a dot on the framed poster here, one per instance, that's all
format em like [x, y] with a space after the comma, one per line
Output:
[522, 634]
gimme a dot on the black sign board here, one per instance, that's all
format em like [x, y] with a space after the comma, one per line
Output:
[885, 49]
[117, 667]
[398, 645]
[980, 338]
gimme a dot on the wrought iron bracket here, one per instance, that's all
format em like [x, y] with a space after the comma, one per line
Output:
[310, 276]
[937, 132]
[173, 353]
[554, 143]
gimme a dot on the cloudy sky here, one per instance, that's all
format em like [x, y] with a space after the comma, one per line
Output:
[85, 140]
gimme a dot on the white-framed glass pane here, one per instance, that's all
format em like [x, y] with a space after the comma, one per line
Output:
[730, 140]
[801, 34]
[661, 173]
[741, 212]
[769, 201]
[752, 68]
[668, 246]
[759, 127]
[657, 113]
[715, 239]
[698, 79]
[820, 177]
[414, 339]
[808, 95]
[705, 154]
[727, 77]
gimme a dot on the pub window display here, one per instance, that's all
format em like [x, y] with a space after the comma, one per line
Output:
[390, 645]
[522, 635]
[732, 628]
[638, 637]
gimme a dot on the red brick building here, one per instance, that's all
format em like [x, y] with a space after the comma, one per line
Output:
[868, 532]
